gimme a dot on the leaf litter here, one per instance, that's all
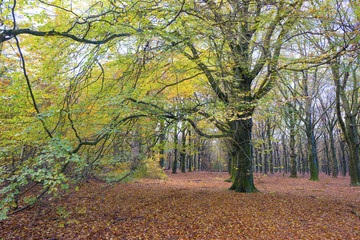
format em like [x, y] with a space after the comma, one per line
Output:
[197, 205]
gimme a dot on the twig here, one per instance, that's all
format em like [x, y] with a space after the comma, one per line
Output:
[355, 212]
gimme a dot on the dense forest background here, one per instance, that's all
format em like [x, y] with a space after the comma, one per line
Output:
[114, 90]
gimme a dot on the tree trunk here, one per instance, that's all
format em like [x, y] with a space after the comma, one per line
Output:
[195, 154]
[256, 160]
[244, 181]
[265, 159]
[162, 145]
[291, 116]
[174, 167]
[333, 154]
[260, 160]
[136, 146]
[285, 154]
[311, 153]
[234, 164]
[353, 144]
[327, 155]
[182, 151]
[271, 159]
[312, 158]
[348, 125]
[293, 172]
[303, 163]
[342, 157]
[190, 156]
[278, 165]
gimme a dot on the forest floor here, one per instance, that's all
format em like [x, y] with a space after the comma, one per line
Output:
[198, 206]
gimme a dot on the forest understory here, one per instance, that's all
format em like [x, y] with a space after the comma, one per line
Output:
[197, 205]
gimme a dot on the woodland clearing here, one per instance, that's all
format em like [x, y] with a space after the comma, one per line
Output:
[197, 205]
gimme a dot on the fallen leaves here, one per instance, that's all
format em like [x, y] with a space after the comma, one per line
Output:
[197, 206]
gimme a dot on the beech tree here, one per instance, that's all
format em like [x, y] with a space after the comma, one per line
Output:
[236, 46]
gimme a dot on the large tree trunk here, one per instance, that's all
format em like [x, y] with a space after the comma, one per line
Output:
[234, 163]
[311, 153]
[243, 181]
[342, 157]
[353, 166]
[348, 125]
[312, 157]
[353, 144]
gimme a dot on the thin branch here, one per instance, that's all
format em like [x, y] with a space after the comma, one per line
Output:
[55, 6]
[214, 85]
[73, 127]
[176, 16]
[31, 204]
[173, 84]
[29, 87]
[106, 134]
[13, 14]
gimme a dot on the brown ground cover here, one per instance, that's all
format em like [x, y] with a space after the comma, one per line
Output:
[198, 206]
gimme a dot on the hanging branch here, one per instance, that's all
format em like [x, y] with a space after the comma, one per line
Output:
[29, 87]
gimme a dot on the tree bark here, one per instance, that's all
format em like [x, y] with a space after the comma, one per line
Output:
[311, 147]
[162, 145]
[293, 172]
[334, 162]
[278, 165]
[285, 154]
[342, 157]
[256, 160]
[327, 155]
[174, 166]
[199, 165]
[190, 156]
[183, 151]
[269, 135]
[348, 125]
[242, 144]
[291, 117]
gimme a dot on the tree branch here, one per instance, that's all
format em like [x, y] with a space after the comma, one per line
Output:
[29, 87]
[214, 85]
[6, 35]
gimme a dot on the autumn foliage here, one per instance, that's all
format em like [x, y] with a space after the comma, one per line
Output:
[197, 206]
[97, 98]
